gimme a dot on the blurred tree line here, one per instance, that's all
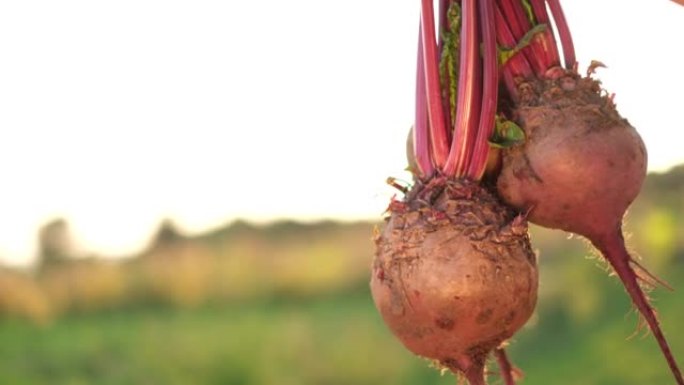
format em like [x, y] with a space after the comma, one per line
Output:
[238, 262]
[244, 262]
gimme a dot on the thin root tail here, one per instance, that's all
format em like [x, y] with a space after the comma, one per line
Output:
[508, 372]
[613, 249]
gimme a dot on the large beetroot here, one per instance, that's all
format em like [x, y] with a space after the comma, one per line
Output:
[581, 164]
[454, 275]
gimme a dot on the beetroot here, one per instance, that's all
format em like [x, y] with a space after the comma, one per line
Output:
[581, 165]
[454, 275]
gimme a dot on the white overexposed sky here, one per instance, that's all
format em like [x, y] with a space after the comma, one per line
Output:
[115, 114]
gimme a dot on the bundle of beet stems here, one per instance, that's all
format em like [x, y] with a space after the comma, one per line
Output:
[504, 133]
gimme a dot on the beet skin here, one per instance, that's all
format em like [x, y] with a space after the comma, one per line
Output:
[579, 169]
[454, 275]
[581, 164]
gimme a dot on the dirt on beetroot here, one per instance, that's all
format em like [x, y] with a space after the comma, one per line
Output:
[581, 164]
[454, 274]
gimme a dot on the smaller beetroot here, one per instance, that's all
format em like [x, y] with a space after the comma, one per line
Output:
[582, 164]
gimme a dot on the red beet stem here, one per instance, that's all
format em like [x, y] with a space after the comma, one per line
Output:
[505, 367]
[438, 133]
[612, 246]
[517, 65]
[515, 16]
[546, 39]
[563, 33]
[468, 98]
[518, 24]
[421, 130]
[490, 82]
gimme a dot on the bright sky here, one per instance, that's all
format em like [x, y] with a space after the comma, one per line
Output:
[115, 114]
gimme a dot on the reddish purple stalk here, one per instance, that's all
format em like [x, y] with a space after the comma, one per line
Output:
[473, 125]
[468, 100]
[547, 39]
[517, 21]
[517, 66]
[490, 85]
[421, 130]
[563, 33]
[438, 132]
[518, 24]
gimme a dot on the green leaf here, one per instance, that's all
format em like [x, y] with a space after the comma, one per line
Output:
[506, 134]
[449, 60]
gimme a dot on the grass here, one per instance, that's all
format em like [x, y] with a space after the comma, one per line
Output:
[280, 305]
[331, 340]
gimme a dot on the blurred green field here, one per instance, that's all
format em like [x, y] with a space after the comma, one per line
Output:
[288, 303]
[331, 340]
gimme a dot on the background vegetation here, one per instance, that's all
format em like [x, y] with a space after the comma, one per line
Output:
[288, 303]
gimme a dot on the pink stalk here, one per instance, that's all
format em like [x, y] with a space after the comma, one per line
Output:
[517, 66]
[548, 40]
[563, 33]
[516, 17]
[519, 25]
[490, 64]
[421, 130]
[469, 90]
[438, 131]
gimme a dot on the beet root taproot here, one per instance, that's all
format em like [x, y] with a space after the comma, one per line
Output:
[579, 169]
[454, 275]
